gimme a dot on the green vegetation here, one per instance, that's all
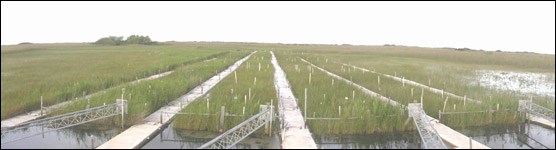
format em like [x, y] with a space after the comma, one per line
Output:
[233, 96]
[360, 113]
[60, 72]
[148, 96]
[111, 40]
[64, 72]
[453, 71]
[119, 40]
[432, 102]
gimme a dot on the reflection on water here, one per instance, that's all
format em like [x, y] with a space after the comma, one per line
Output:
[69, 138]
[171, 138]
[399, 140]
[522, 136]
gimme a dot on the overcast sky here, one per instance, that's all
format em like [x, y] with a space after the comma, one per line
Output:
[507, 26]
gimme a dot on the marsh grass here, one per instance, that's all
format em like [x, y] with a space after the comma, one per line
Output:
[432, 102]
[262, 92]
[148, 96]
[358, 112]
[66, 72]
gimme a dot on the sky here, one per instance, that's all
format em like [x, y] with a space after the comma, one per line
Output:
[506, 26]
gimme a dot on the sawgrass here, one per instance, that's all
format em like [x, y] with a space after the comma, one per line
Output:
[358, 112]
[59, 72]
[233, 96]
[148, 96]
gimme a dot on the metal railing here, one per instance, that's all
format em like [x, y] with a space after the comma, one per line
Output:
[537, 110]
[429, 136]
[42, 126]
[233, 136]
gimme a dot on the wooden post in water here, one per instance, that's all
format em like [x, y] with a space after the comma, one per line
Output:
[444, 108]
[403, 81]
[123, 91]
[92, 142]
[305, 105]
[41, 106]
[340, 111]
[464, 99]
[271, 117]
[422, 92]
[378, 78]
[235, 76]
[249, 93]
[222, 113]
[353, 95]
[439, 117]
[332, 82]
[411, 92]
[343, 70]
[310, 78]
[470, 143]
[442, 93]
[255, 81]
[259, 67]
[208, 106]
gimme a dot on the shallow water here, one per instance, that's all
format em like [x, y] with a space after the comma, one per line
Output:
[522, 136]
[405, 140]
[70, 138]
[523, 82]
[170, 138]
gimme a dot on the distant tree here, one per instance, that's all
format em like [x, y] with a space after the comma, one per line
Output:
[137, 39]
[24, 43]
[119, 40]
[463, 49]
[111, 40]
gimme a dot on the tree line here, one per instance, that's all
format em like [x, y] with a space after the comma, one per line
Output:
[119, 40]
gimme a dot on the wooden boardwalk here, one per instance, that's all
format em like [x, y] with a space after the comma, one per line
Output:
[137, 135]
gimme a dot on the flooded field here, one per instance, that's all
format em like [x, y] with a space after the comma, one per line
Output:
[69, 138]
[523, 82]
[171, 138]
[521, 136]
[341, 115]
[407, 140]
